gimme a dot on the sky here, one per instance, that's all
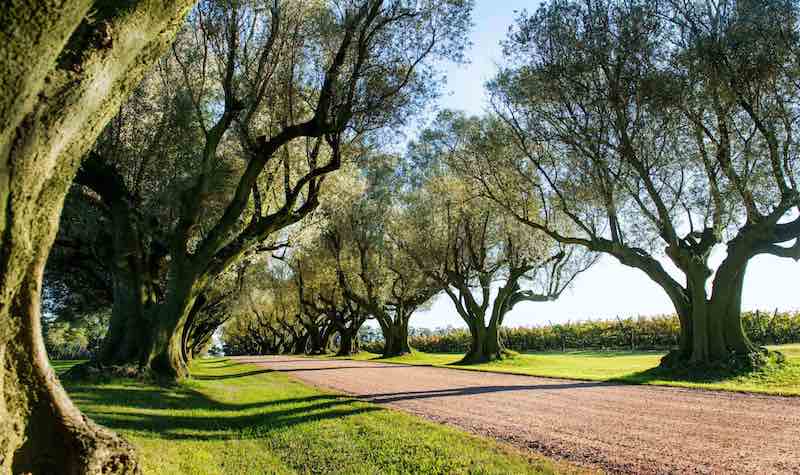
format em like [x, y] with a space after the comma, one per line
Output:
[609, 289]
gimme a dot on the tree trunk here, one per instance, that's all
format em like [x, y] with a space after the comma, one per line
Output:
[41, 431]
[328, 330]
[484, 343]
[127, 337]
[395, 335]
[54, 105]
[300, 342]
[314, 341]
[712, 334]
[165, 356]
[346, 342]
[726, 301]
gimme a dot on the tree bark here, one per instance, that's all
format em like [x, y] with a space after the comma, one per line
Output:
[346, 342]
[711, 327]
[395, 335]
[485, 343]
[56, 100]
[127, 336]
[315, 345]
[300, 342]
[165, 356]
[41, 431]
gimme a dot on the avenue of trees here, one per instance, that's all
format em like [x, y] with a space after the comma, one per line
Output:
[270, 96]
[230, 169]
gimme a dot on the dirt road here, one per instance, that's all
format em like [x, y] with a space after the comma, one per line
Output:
[618, 428]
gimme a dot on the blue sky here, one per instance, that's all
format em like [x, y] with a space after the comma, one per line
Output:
[608, 289]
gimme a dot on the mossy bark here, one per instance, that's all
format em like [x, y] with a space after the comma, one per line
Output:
[299, 343]
[165, 355]
[64, 76]
[56, 437]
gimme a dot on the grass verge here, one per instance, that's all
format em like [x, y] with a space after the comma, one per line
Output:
[634, 367]
[240, 419]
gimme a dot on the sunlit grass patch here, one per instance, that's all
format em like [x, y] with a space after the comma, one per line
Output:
[636, 367]
[240, 419]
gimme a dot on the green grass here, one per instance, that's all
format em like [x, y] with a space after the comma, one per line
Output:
[636, 367]
[62, 365]
[239, 419]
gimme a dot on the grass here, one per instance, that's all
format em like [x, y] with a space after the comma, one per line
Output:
[239, 419]
[635, 367]
[62, 365]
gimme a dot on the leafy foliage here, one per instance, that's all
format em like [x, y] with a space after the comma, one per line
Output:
[74, 339]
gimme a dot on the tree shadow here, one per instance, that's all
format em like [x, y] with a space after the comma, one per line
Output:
[598, 353]
[183, 413]
[333, 368]
[383, 398]
[261, 359]
[221, 424]
[209, 377]
[685, 375]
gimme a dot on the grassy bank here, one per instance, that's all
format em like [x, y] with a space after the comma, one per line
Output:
[634, 367]
[239, 419]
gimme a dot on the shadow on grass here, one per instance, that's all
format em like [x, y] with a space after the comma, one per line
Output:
[334, 368]
[686, 375]
[181, 412]
[267, 359]
[214, 423]
[597, 353]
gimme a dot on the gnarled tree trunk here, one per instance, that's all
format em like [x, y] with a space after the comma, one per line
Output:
[347, 341]
[484, 343]
[315, 344]
[64, 74]
[166, 356]
[41, 430]
[711, 326]
[127, 336]
[395, 335]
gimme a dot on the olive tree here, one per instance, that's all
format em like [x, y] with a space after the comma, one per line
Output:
[282, 91]
[468, 246]
[657, 129]
[372, 270]
[66, 68]
[324, 300]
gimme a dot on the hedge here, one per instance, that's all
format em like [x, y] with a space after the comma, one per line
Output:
[634, 333]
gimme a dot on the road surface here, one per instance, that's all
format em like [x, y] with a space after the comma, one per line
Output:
[617, 428]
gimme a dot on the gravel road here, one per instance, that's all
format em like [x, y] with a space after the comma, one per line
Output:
[617, 428]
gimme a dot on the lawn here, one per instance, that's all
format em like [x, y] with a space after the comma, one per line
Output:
[637, 367]
[239, 419]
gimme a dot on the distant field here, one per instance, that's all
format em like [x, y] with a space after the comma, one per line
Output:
[239, 419]
[638, 367]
